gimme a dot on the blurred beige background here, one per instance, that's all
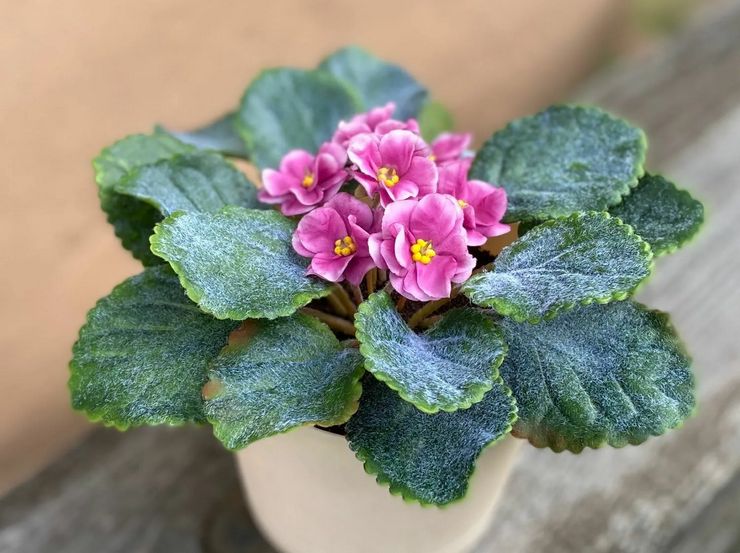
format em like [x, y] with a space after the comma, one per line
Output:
[79, 74]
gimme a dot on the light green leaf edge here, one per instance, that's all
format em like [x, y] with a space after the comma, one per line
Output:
[684, 238]
[196, 295]
[476, 392]
[506, 309]
[372, 469]
[613, 199]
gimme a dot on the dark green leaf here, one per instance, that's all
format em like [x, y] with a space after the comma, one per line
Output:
[663, 215]
[285, 109]
[220, 136]
[449, 367]
[603, 374]
[143, 354]
[283, 374]
[189, 182]
[132, 219]
[584, 258]
[562, 160]
[237, 263]
[434, 119]
[422, 457]
[377, 81]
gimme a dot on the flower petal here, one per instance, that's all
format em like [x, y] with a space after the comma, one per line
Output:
[329, 266]
[435, 278]
[318, 230]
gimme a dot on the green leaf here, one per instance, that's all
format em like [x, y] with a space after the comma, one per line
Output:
[449, 367]
[220, 136]
[434, 119]
[237, 263]
[661, 214]
[285, 109]
[562, 160]
[283, 374]
[132, 219]
[604, 374]
[198, 181]
[377, 81]
[143, 353]
[422, 457]
[584, 258]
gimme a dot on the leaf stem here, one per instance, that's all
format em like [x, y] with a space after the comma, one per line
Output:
[337, 305]
[372, 278]
[341, 294]
[428, 308]
[400, 304]
[357, 293]
[335, 323]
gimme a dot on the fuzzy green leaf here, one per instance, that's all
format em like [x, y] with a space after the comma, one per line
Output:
[584, 258]
[198, 181]
[603, 374]
[282, 374]
[220, 136]
[426, 458]
[237, 263]
[142, 355]
[449, 367]
[133, 219]
[285, 109]
[663, 215]
[434, 119]
[562, 160]
[378, 82]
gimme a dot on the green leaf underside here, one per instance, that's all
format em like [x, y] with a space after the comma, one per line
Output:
[237, 263]
[190, 182]
[434, 119]
[562, 160]
[142, 355]
[132, 219]
[663, 215]
[289, 372]
[584, 258]
[220, 136]
[449, 367]
[285, 109]
[603, 374]
[378, 82]
[425, 458]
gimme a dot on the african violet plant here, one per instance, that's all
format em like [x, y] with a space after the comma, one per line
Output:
[357, 288]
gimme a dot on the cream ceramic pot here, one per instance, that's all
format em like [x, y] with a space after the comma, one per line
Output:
[309, 494]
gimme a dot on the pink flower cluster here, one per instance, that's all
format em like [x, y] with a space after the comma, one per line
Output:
[419, 218]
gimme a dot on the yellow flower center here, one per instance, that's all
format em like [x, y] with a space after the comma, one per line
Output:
[432, 157]
[422, 252]
[345, 246]
[388, 176]
[462, 203]
[307, 180]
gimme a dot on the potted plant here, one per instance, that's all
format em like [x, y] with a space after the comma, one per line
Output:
[359, 297]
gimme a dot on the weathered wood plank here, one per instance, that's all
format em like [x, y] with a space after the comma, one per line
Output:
[175, 490]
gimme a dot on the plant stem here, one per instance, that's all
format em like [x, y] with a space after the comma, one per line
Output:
[426, 310]
[357, 293]
[430, 321]
[486, 267]
[372, 278]
[400, 304]
[335, 323]
[337, 305]
[341, 294]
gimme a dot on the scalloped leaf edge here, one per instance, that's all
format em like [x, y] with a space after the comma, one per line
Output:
[405, 493]
[506, 309]
[476, 391]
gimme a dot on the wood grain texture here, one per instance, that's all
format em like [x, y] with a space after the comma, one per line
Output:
[165, 490]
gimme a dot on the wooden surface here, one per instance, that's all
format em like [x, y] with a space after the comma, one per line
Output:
[174, 490]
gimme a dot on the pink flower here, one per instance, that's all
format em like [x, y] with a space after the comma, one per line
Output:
[377, 120]
[305, 181]
[335, 238]
[396, 165]
[483, 205]
[423, 245]
[450, 146]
